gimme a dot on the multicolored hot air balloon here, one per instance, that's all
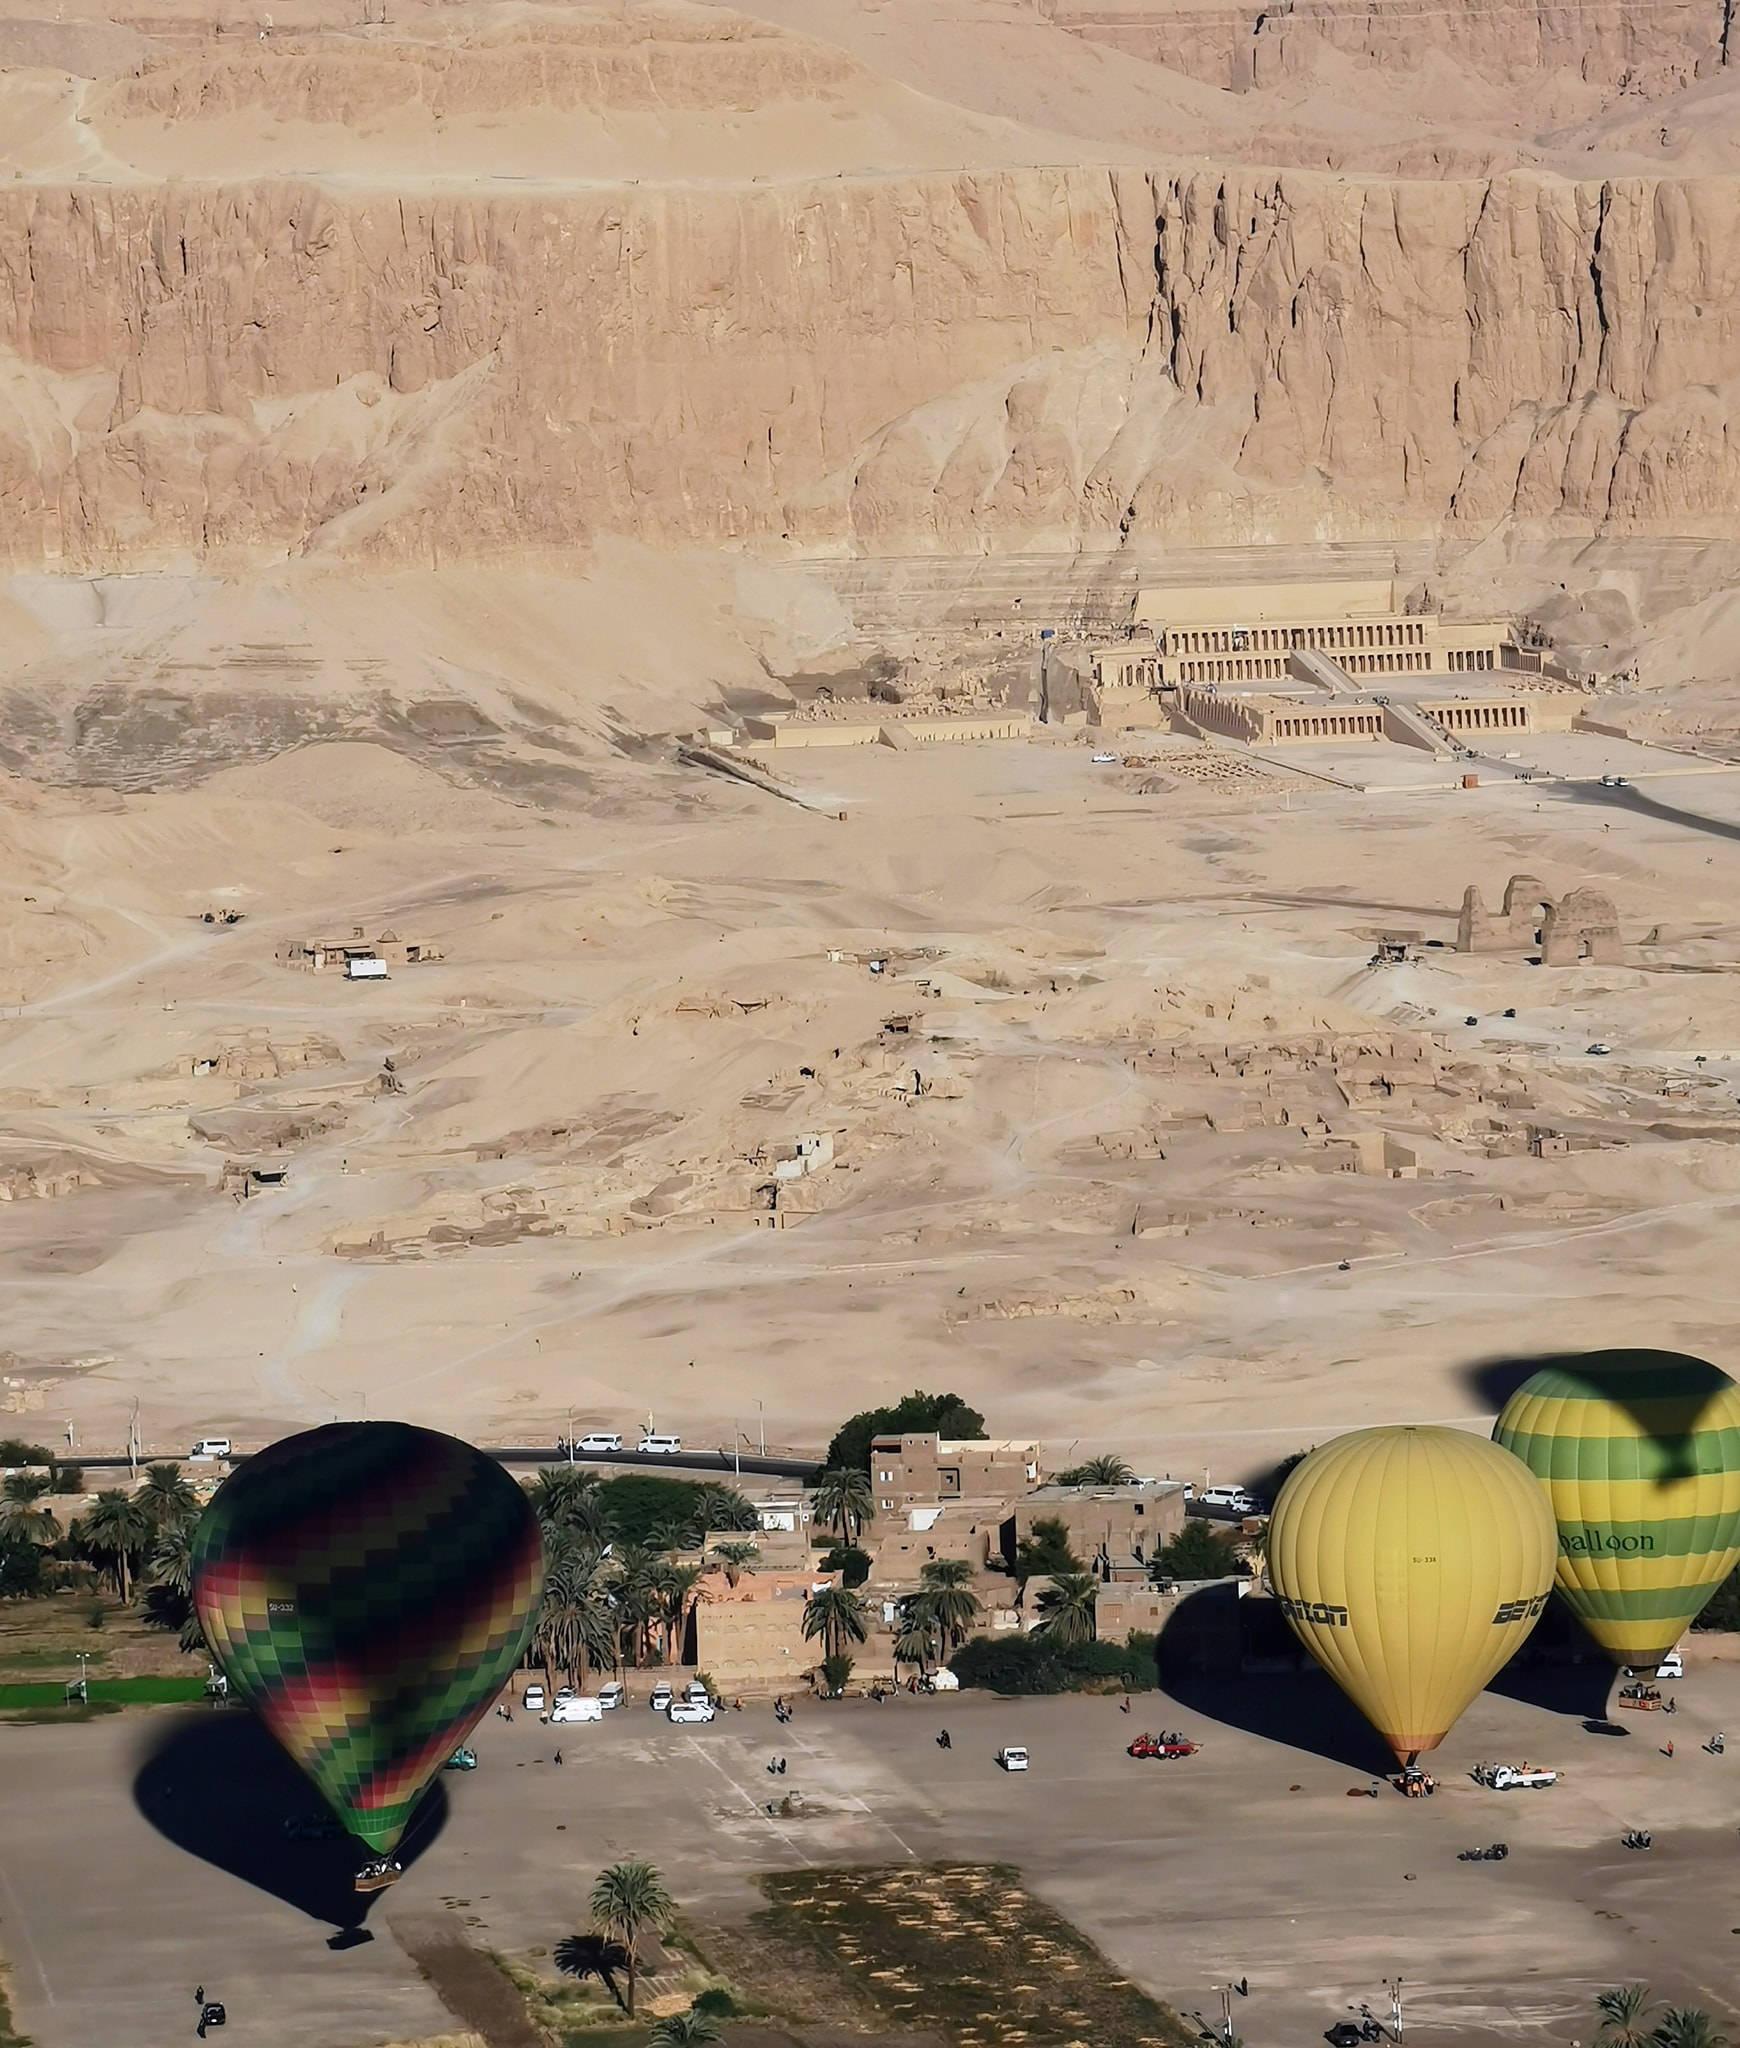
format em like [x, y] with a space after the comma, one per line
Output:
[1411, 1563]
[1639, 1454]
[368, 1587]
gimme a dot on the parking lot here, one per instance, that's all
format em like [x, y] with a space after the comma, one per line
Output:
[143, 1854]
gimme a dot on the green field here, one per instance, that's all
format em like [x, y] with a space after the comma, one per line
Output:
[120, 1692]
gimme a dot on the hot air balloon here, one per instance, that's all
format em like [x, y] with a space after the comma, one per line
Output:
[1639, 1454]
[368, 1587]
[1411, 1563]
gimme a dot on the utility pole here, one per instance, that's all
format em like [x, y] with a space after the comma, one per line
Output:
[133, 1443]
[1394, 1988]
[1226, 2025]
[761, 1426]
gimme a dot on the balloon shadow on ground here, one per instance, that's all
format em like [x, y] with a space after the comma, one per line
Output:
[216, 1784]
[1561, 1668]
[1236, 1661]
[1496, 1379]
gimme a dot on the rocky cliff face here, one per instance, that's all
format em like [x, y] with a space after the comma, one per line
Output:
[1026, 358]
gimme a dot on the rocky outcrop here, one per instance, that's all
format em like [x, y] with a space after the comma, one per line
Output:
[1029, 358]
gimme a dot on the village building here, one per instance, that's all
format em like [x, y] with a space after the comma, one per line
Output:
[928, 1471]
[1116, 1531]
[749, 1637]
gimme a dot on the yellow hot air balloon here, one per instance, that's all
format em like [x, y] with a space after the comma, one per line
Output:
[1639, 1454]
[1411, 1563]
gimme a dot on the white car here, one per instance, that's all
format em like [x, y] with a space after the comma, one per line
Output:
[1514, 1777]
[1233, 1498]
[612, 1695]
[660, 1446]
[600, 1440]
[1105, 760]
[534, 1699]
[1598, 1051]
[691, 1710]
[661, 1697]
[1673, 1665]
[211, 1447]
[576, 1708]
[1012, 1758]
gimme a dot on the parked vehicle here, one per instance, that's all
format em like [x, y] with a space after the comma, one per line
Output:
[1598, 1050]
[1496, 1854]
[211, 1447]
[695, 1690]
[1234, 1498]
[944, 1681]
[461, 1760]
[576, 1708]
[661, 1697]
[612, 1694]
[1513, 1777]
[1012, 1758]
[688, 1711]
[534, 1701]
[1345, 2034]
[1165, 1747]
[1105, 760]
[660, 1446]
[1673, 1665]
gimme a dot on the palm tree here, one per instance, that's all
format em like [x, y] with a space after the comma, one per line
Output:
[737, 1558]
[837, 1616]
[576, 1621]
[165, 1498]
[689, 2029]
[672, 1584]
[1683, 2026]
[171, 1561]
[723, 1507]
[21, 1512]
[916, 1643]
[565, 1499]
[946, 1598]
[845, 1500]
[1066, 1609]
[116, 1529]
[1623, 2016]
[1105, 1470]
[627, 1898]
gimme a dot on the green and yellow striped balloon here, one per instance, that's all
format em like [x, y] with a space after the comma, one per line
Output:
[1640, 1454]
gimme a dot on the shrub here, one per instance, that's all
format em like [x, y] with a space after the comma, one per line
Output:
[717, 2001]
[1196, 1552]
[1031, 1664]
[69, 1478]
[1046, 1553]
[848, 1559]
[15, 1451]
[836, 1670]
[21, 1568]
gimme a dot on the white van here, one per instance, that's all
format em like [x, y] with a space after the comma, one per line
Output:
[211, 1447]
[661, 1446]
[576, 1708]
[600, 1440]
[612, 1694]
[1234, 1498]
[1012, 1757]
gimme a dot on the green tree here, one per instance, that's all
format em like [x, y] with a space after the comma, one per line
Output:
[1722, 1609]
[22, 1512]
[691, 2029]
[917, 1641]
[838, 1616]
[1105, 1470]
[23, 1575]
[917, 1414]
[737, 1558]
[165, 1499]
[723, 1507]
[845, 1500]
[1196, 1552]
[627, 1899]
[836, 1670]
[1682, 2026]
[849, 1561]
[1066, 1608]
[576, 1624]
[115, 1530]
[567, 1500]
[1624, 2015]
[946, 1600]
[14, 1451]
[1046, 1553]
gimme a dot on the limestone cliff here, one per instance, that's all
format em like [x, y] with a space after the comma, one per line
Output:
[1021, 358]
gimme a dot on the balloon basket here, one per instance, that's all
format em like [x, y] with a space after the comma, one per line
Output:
[375, 1877]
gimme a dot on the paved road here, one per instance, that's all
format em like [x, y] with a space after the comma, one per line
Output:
[747, 1463]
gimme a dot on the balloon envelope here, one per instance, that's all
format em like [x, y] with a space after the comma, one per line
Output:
[1639, 1454]
[1411, 1563]
[368, 1587]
